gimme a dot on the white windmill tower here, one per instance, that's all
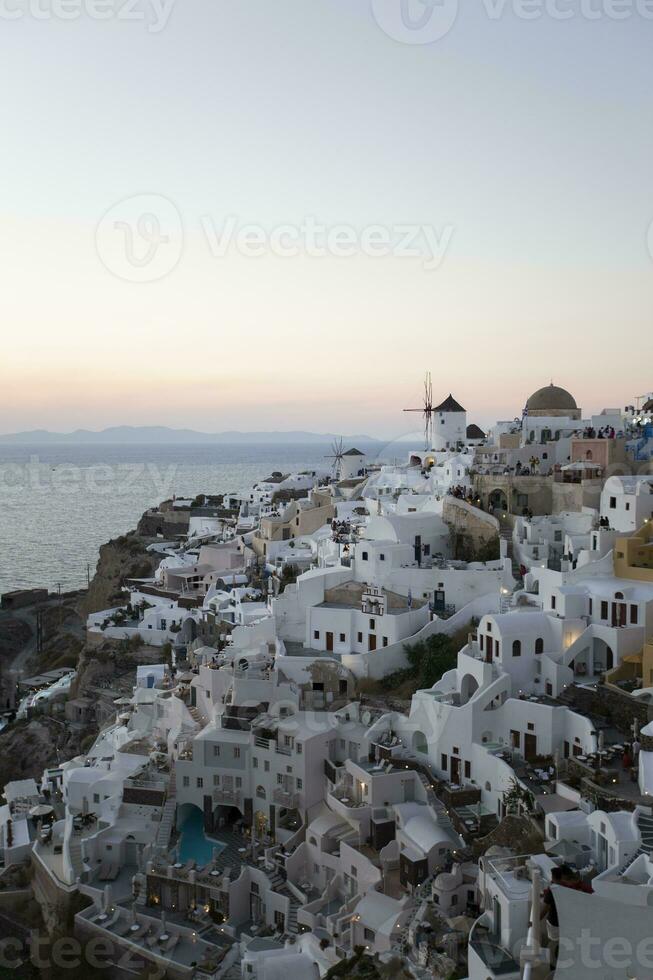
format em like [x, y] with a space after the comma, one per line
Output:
[336, 455]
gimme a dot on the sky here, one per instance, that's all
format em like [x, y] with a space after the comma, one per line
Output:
[278, 214]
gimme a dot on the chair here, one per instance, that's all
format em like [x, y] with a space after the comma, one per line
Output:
[170, 945]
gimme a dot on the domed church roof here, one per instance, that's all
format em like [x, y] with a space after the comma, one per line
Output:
[551, 398]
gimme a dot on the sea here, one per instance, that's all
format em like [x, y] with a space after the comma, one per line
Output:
[58, 504]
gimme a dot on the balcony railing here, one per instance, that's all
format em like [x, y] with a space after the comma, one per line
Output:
[285, 798]
[229, 796]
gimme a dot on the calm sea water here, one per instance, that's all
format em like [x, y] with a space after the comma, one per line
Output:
[58, 504]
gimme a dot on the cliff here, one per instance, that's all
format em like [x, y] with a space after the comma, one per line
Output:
[120, 559]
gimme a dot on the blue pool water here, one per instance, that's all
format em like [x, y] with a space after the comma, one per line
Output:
[193, 843]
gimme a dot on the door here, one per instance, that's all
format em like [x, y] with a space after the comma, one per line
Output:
[371, 644]
[329, 642]
[515, 739]
[455, 770]
[530, 747]
[489, 646]
[496, 919]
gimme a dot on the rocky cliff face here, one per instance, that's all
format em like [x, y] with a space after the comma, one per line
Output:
[120, 559]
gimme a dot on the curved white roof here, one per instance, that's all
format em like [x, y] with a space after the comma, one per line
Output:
[425, 832]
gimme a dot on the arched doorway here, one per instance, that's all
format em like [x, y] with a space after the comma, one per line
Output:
[498, 500]
[468, 688]
[419, 742]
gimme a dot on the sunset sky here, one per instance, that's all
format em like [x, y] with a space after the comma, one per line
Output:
[525, 147]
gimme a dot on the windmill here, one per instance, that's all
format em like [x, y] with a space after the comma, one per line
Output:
[337, 452]
[426, 411]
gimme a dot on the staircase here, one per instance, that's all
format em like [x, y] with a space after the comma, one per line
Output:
[438, 807]
[627, 863]
[195, 715]
[275, 880]
[168, 814]
[291, 924]
[75, 854]
[645, 824]
[505, 533]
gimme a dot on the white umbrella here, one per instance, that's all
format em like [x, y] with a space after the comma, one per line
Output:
[41, 810]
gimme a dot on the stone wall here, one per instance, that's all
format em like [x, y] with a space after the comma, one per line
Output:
[536, 491]
[469, 523]
[608, 702]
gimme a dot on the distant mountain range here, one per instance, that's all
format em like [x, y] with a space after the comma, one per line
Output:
[153, 434]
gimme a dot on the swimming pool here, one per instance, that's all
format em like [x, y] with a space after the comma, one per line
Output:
[193, 843]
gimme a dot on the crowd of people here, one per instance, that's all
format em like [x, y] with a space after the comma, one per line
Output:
[607, 432]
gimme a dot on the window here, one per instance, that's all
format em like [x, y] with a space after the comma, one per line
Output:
[260, 792]
[299, 748]
[364, 556]
[186, 783]
[591, 606]
[316, 634]
[266, 766]
[216, 779]
[359, 637]
[633, 614]
[553, 602]
[480, 640]
[369, 933]
[539, 645]
[468, 770]
[216, 748]
[300, 784]
[516, 648]
[279, 778]
[239, 782]
[254, 763]
[200, 782]
[613, 503]
[381, 557]
[236, 752]
[385, 640]
[342, 637]
[372, 624]
[443, 761]
[604, 609]
[531, 726]
[96, 796]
